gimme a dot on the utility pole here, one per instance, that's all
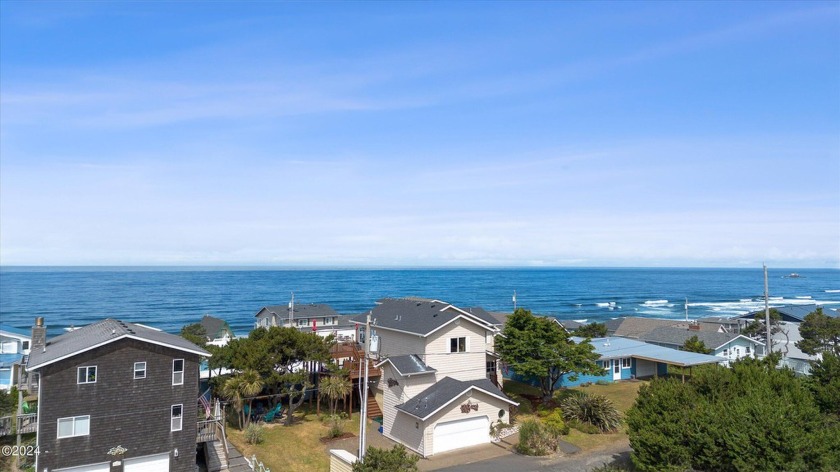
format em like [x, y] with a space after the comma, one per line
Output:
[363, 399]
[292, 311]
[769, 347]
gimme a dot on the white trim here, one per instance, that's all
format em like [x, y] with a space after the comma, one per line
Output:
[180, 417]
[471, 387]
[735, 338]
[458, 344]
[87, 373]
[183, 368]
[492, 327]
[73, 422]
[481, 325]
[201, 353]
[143, 370]
[388, 360]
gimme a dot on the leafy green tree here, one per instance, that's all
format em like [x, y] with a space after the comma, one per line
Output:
[749, 417]
[195, 333]
[592, 330]
[693, 344]
[825, 383]
[396, 459]
[538, 348]
[242, 388]
[8, 400]
[820, 333]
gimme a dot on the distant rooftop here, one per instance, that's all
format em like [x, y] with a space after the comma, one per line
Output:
[612, 348]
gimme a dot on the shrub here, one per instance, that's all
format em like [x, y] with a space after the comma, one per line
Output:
[396, 459]
[610, 468]
[525, 407]
[335, 425]
[555, 425]
[254, 434]
[596, 410]
[584, 427]
[533, 439]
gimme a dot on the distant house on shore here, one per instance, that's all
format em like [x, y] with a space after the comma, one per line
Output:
[218, 330]
[315, 317]
[14, 345]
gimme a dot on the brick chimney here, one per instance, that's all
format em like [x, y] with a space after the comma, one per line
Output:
[39, 335]
[694, 327]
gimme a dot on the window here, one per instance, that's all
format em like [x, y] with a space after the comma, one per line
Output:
[748, 348]
[87, 374]
[139, 370]
[178, 372]
[725, 352]
[73, 426]
[177, 418]
[458, 344]
[491, 368]
[625, 363]
[25, 345]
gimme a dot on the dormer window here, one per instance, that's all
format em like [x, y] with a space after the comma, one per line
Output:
[87, 374]
[458, 344]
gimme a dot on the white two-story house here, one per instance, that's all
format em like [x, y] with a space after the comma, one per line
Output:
[319, 318]
[437, 362]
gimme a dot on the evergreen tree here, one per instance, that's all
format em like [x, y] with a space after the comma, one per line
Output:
[592, 330]
[693, 344]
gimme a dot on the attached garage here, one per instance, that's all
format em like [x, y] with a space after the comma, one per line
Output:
[456, 434]
[101, 467]
[155, 463]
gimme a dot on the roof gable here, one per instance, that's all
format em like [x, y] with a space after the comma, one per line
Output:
[101, 333]
[419, 317]
[15, 332]
[408, 365]
[444, 392]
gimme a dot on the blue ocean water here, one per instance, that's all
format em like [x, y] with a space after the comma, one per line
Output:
[169, 298]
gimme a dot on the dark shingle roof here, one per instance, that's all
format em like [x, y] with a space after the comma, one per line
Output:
[636, 327]
[795, 313]
[678, 336]
[444, 391]
[408, 365]
[415, 316]
[483, 314]
[214, 327]
[310, 310]
[104, 332]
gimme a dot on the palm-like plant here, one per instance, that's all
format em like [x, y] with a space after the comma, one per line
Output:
[334, 387]
[243, 386]
[596, 410]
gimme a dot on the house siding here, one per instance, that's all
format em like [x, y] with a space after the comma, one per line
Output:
[487, 406]
[470, 365]
[134, 414]
[395, 424]
[395, 343]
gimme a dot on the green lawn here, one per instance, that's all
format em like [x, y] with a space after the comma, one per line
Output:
[296, 447]
[622, 394]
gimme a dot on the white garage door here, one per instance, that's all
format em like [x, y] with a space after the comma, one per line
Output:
[155, 463]
[461, 433]
[101, 467]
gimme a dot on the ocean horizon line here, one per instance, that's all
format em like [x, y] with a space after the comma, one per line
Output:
[332, 267]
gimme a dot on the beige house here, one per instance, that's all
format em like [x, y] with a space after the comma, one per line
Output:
[440, 381]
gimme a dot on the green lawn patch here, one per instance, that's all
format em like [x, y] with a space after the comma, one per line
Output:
[296, 447]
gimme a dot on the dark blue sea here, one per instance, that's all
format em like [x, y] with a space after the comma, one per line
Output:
[169, 298]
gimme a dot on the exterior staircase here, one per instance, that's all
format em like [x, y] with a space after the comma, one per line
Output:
[215, 452]
[373, 409]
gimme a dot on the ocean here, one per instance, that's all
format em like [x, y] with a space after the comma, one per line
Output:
[171, 297]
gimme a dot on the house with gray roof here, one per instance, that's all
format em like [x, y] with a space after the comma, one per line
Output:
[793, 313]
[316, 317]
[218, 330]
[729, 346]
[439, 387]
[115, 395]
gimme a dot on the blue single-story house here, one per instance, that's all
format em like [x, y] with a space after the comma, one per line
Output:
[625, 359]
[14, 344]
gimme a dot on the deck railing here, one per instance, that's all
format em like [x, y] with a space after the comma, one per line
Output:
[26, 423]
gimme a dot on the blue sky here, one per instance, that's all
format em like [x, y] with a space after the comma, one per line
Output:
[420, 134]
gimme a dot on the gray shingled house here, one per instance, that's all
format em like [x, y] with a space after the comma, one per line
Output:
[115, 396]
[439, 382]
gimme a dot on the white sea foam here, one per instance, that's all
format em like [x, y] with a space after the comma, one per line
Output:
[655, 302]
[832, 291]
[581, 321]
[804, 297]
